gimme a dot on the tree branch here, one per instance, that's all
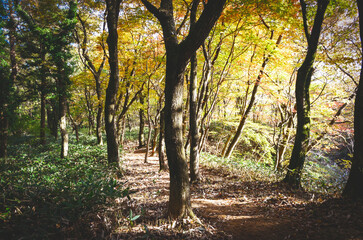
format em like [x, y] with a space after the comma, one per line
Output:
[151, 8]
[305, 21]
[202, 27]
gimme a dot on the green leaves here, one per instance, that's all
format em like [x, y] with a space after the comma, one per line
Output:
[34, 177]
[132, 218]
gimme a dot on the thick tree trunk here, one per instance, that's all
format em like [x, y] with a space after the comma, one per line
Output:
[304, 74]
[113, 154]
[179, 197]
[303, 126]
[177, 56]
[354, 187]
[7, 83]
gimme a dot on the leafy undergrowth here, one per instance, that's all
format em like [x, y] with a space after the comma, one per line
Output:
[254, 157]
[44, 196]
[319, 175]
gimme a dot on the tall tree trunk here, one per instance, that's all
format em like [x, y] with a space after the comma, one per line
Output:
[177, 56]
[7, 83]
[193, 122]
[193, 115]
[354, 186]
[155, 138]
[283, 142]
[52, 118]
[99, 124]
[62, 98]
[148, 122]
[42, 116]
[89, 104]
[161, 147]
[179, 198]
[61, 41]
[121, 133]
[42, 98]
[4, 125]
[303, 79]
[113, 154]
[141, 122]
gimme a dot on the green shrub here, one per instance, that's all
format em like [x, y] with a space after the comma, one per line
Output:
[254, 143]
[36, 184]
[320, 174]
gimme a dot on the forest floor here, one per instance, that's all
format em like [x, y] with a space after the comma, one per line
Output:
[229, 206]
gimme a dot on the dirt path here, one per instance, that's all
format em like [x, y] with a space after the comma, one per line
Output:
[231, 208]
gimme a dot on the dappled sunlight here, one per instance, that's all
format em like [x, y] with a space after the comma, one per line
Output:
[228, 205]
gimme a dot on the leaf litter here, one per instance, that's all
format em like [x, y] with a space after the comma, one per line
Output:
[232, 206]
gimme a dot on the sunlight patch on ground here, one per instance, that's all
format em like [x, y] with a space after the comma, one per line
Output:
[199, 202]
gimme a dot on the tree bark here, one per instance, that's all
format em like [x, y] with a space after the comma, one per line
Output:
[52, 118]
[113, 154]
[99, 123]
[43, 95]
[304, 74]
[283, 141]
[161, 147]
[193, 117]
[148, 122]
[154, 138]
[193, 122]
[141, 122]
[62, 98]
[177, 56]
[42, 116]
[354, 186]
[89, 104]
[7, 83]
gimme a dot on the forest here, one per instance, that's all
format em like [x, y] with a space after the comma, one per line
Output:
[181, 119]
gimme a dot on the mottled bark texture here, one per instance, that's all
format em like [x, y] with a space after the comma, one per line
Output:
[113, 154]
[177, 57]
[303, 79]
